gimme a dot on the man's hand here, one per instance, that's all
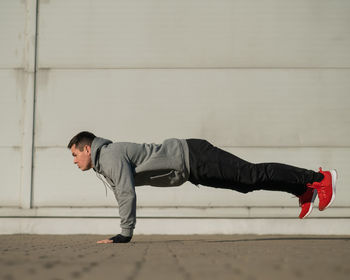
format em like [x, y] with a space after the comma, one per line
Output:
[105, 241]
[116, 239]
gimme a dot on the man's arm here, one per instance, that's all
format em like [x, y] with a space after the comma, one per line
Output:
[121, 174]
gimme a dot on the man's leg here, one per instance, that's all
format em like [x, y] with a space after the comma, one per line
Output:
[211, 166]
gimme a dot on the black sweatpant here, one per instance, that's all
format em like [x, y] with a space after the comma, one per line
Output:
[213, 167]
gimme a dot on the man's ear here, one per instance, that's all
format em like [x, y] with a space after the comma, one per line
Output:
[87, 148]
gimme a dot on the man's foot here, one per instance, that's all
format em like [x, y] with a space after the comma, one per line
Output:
[306, 202]
[325, 188]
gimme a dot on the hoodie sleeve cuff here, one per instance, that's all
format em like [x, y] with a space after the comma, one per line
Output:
[127, 232]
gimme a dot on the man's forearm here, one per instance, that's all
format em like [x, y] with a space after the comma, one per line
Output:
[127, 212]
[127, 232]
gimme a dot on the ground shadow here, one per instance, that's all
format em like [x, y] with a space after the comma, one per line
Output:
[245, 240]
[283, 238]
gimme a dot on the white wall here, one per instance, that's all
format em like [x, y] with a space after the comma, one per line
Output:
[17, 59]
[267, 80]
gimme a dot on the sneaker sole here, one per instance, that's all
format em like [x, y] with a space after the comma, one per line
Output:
[311, 204]
[334, 175]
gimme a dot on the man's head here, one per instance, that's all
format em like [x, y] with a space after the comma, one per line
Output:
[80, 146]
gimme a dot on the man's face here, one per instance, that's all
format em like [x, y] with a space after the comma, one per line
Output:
[82, 158]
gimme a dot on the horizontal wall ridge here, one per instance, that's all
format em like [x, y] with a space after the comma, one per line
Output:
[190, 68]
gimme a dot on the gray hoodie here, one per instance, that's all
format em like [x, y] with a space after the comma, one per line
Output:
[126, 165]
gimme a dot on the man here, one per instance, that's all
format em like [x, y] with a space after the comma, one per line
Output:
[126, 165]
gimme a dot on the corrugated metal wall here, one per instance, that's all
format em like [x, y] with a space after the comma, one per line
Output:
[268, 80]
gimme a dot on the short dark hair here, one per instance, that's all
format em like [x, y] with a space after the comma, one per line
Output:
[81, 139]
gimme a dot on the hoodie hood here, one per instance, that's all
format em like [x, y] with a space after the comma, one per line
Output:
[96, 146]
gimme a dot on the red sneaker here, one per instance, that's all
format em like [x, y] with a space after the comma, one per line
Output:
[325, 188]
[306, 202]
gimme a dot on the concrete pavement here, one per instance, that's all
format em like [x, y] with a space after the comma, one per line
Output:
[170, 257]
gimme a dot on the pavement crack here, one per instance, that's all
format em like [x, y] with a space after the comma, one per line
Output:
[185, 274]
[138, 265]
